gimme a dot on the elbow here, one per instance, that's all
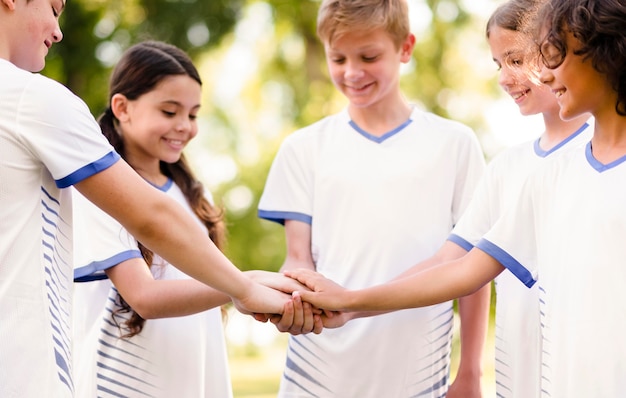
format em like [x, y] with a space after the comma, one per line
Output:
[147, 311]
[144, 308]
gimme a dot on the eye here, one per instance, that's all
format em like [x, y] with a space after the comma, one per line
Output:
[370, 59]
[551, 54]
[168, 113]
[193, 117]
[338, 60]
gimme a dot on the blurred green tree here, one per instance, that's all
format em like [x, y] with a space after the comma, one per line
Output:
[264, 76]
[97, 32]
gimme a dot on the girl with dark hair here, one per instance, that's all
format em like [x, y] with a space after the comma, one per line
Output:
[155, 93]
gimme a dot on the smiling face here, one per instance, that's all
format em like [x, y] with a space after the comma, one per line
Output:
[577, 85]
[36, 26]
[365, 66]
[158, 125]
[509, 50]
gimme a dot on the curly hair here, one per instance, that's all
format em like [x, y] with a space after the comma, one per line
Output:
[599, 27]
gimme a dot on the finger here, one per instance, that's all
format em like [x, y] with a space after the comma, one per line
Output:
[261, 317]
[298, 316]
[319, 324]
[285, 322]
[309, 322]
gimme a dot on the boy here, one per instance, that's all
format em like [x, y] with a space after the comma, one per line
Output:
[49, 141]
[378, 183]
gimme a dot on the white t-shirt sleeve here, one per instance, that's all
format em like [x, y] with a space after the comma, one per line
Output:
[471, 167]
[58, 127]
[288, 192]
[100, 241]
[476, 220]
[512, 240]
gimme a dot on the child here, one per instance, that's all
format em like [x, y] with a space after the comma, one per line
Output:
[50, 141]
[517, 331]
[155, 95]
[379, 183]
[565, 230]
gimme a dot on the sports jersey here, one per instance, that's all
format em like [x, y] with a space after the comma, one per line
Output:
[48, 141]
[376, 206]
[518, 330]
[565, 233]
[171, 357]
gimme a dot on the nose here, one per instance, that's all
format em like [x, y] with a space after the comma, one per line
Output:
[184, 124]
[545, 75]
[506, 77]
[57, 35]
[353, 70]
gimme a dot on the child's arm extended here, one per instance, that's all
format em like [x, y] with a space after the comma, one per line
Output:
[434, 285]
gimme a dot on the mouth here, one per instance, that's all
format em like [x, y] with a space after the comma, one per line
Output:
[48, 43]
[558, 93]
[520, 94]
[175, 143]
[359, 88]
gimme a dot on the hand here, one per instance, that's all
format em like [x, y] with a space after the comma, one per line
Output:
[326, 294]
[259, 299]
[275, 280]
[298, 318]
[334, 319]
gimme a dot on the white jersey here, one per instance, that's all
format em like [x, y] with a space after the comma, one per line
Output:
[171, 357]
[48, 141]
[377, 206]
[518, 330]
[566, 232]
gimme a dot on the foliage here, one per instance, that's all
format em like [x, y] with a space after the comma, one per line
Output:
[264, 76]
[97, 32]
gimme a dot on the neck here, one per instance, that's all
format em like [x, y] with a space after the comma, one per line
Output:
[557, 129]
[151, 173]
[379, 120]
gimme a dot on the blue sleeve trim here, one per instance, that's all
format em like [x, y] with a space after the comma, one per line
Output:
[86, 171]
[507, 261]
[281, 216]
[461, 242]
[95, 271]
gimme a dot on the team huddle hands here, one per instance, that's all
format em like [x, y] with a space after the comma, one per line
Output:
[312, 302]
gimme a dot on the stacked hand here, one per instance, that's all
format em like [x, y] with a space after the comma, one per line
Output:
[298, 315]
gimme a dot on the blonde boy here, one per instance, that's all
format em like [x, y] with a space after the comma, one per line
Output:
[363, 195]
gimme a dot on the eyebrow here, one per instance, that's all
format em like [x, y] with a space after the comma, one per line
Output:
[176, 103]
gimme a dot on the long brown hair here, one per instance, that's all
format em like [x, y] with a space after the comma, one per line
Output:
[139, 70]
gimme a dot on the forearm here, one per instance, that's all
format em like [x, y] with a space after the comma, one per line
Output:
[163, 226]
[161, 298]
[173, 298]
[474, 316]
[435, 285]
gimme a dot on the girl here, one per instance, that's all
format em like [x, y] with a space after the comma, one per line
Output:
[155, 96]
[566, 229]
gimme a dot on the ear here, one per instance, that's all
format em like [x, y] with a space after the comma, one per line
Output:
[9, 4]
[119, 107]
[406, 49]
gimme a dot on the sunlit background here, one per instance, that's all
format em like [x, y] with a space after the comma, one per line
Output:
[264, 76]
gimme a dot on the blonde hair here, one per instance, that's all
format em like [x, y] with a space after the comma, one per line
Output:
[338, 17]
